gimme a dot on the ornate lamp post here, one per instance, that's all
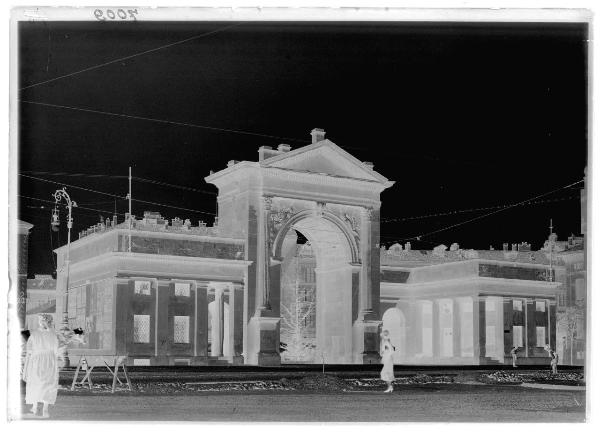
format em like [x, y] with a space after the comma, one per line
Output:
[59, 196]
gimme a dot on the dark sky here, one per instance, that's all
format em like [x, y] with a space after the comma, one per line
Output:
[461, 116]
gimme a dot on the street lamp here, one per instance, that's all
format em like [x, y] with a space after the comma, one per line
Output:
[59, 196]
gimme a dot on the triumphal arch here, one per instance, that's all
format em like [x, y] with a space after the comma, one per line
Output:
[321, 193]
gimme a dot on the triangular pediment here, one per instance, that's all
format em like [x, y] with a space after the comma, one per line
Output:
[324, 157]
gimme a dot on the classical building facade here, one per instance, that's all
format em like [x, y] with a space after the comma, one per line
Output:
[177, 293]
[468, 306]
[160, 293]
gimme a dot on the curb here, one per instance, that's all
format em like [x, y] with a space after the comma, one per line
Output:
[553, 387]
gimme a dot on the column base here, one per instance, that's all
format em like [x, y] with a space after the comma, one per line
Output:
[263, 341]
[366, 342]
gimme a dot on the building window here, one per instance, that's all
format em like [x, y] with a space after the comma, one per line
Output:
[540, 333]
[181, 329]
[142, 287]
[141, 328]
[518, 336]
[540, 306]
[182, 289]
[518, 305]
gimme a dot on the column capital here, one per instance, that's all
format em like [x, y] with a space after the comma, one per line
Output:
[367, 213]
[320, 208]
[268, 202]
[203, 284]
[236, 286]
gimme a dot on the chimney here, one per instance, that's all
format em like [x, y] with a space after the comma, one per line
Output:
[231, 163]
[505, 247]
[369, 165]
[317, 135]
[284, 148]
[265, 152]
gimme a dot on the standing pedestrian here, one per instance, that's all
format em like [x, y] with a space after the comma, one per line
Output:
[513, 353]
[387, 351]
[553, 359]
[40, 371]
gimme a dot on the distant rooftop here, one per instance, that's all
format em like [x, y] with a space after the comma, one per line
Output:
[41, 282]
[400, 256]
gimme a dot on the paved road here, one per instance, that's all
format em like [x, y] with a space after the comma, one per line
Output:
[411, 403]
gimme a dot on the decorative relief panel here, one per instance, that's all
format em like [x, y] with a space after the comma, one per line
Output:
[278, 218]
[505, 272]
[207, 249]
[354, 225]
[280, 210]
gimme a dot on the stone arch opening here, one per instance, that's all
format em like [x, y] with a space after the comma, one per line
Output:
[394, 321]
[328, 337]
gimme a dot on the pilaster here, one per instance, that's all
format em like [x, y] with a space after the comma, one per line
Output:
[201, 314]
[481, 334]
[435, 328]
[456, 329]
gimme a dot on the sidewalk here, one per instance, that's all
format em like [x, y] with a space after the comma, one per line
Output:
[253, 373]
[182, 379]
[554, 386]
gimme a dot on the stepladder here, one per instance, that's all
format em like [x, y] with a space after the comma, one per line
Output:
[82, 365]
[118, 364]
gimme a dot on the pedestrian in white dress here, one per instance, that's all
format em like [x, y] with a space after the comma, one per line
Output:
[40, 371]
[513, 354]
[387, 351]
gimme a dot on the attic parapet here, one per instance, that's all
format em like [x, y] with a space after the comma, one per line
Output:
[154, 222]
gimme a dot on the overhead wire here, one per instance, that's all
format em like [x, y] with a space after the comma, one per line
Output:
[77, 207]
[418, 237]
[187, 188]
[133, 55]
[70, 185]
[470, 210]
[66, 174]
[144, 180]
[176, 123]
[120, 197]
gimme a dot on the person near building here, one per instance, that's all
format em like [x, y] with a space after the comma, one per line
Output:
[553, 359]
[387, 352]
[513, 354]
[40, 371]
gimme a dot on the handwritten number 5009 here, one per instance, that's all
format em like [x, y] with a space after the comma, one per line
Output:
[121, 14]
